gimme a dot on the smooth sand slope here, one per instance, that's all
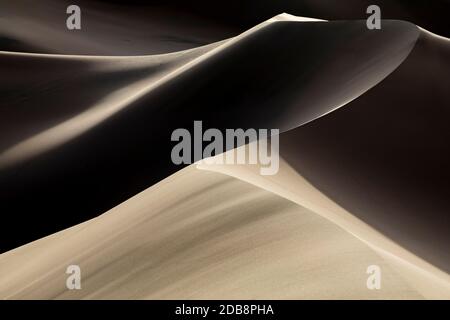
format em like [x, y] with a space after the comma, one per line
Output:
[385, 156]
[94, 131]
[200, 234]
[141, 27]
[430, 281]
[84, 130]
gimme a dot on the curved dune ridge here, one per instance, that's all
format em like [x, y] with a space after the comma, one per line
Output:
[201, 235]
[133, 104]
[136, 77]
[226, 233]
[339, 93]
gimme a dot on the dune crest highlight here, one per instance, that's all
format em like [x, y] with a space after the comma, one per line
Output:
[87, 176]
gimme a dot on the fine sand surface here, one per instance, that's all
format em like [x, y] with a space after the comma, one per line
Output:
[430, 281]
[385, 156]
[87, 131]
[221, 232]
[200, 234]
[142, 27]
[86, 176]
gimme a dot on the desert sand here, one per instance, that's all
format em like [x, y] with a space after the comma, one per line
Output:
[86, 176]
[201, 235]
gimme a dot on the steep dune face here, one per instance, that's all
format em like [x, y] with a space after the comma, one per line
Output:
[74, 90]
[98, 148]
[199, 234]
[364, 142]
[427, 279]
[385, 156]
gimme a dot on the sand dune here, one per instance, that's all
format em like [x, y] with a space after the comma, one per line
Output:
[384, 156]
[201, 235]
[103, 138]
[211, 232]
[86, 176]
[108, 28]
[430, 281]
[141, 27]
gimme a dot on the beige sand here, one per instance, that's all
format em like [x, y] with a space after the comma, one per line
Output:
[200, 234]
[430, 281]
[209, 231]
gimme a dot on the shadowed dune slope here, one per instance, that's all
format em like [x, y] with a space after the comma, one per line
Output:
[112, 139]
[106, 29]
[385, 157]
[429, 280]
[199, 234]
[359, 185]
[135, 27]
